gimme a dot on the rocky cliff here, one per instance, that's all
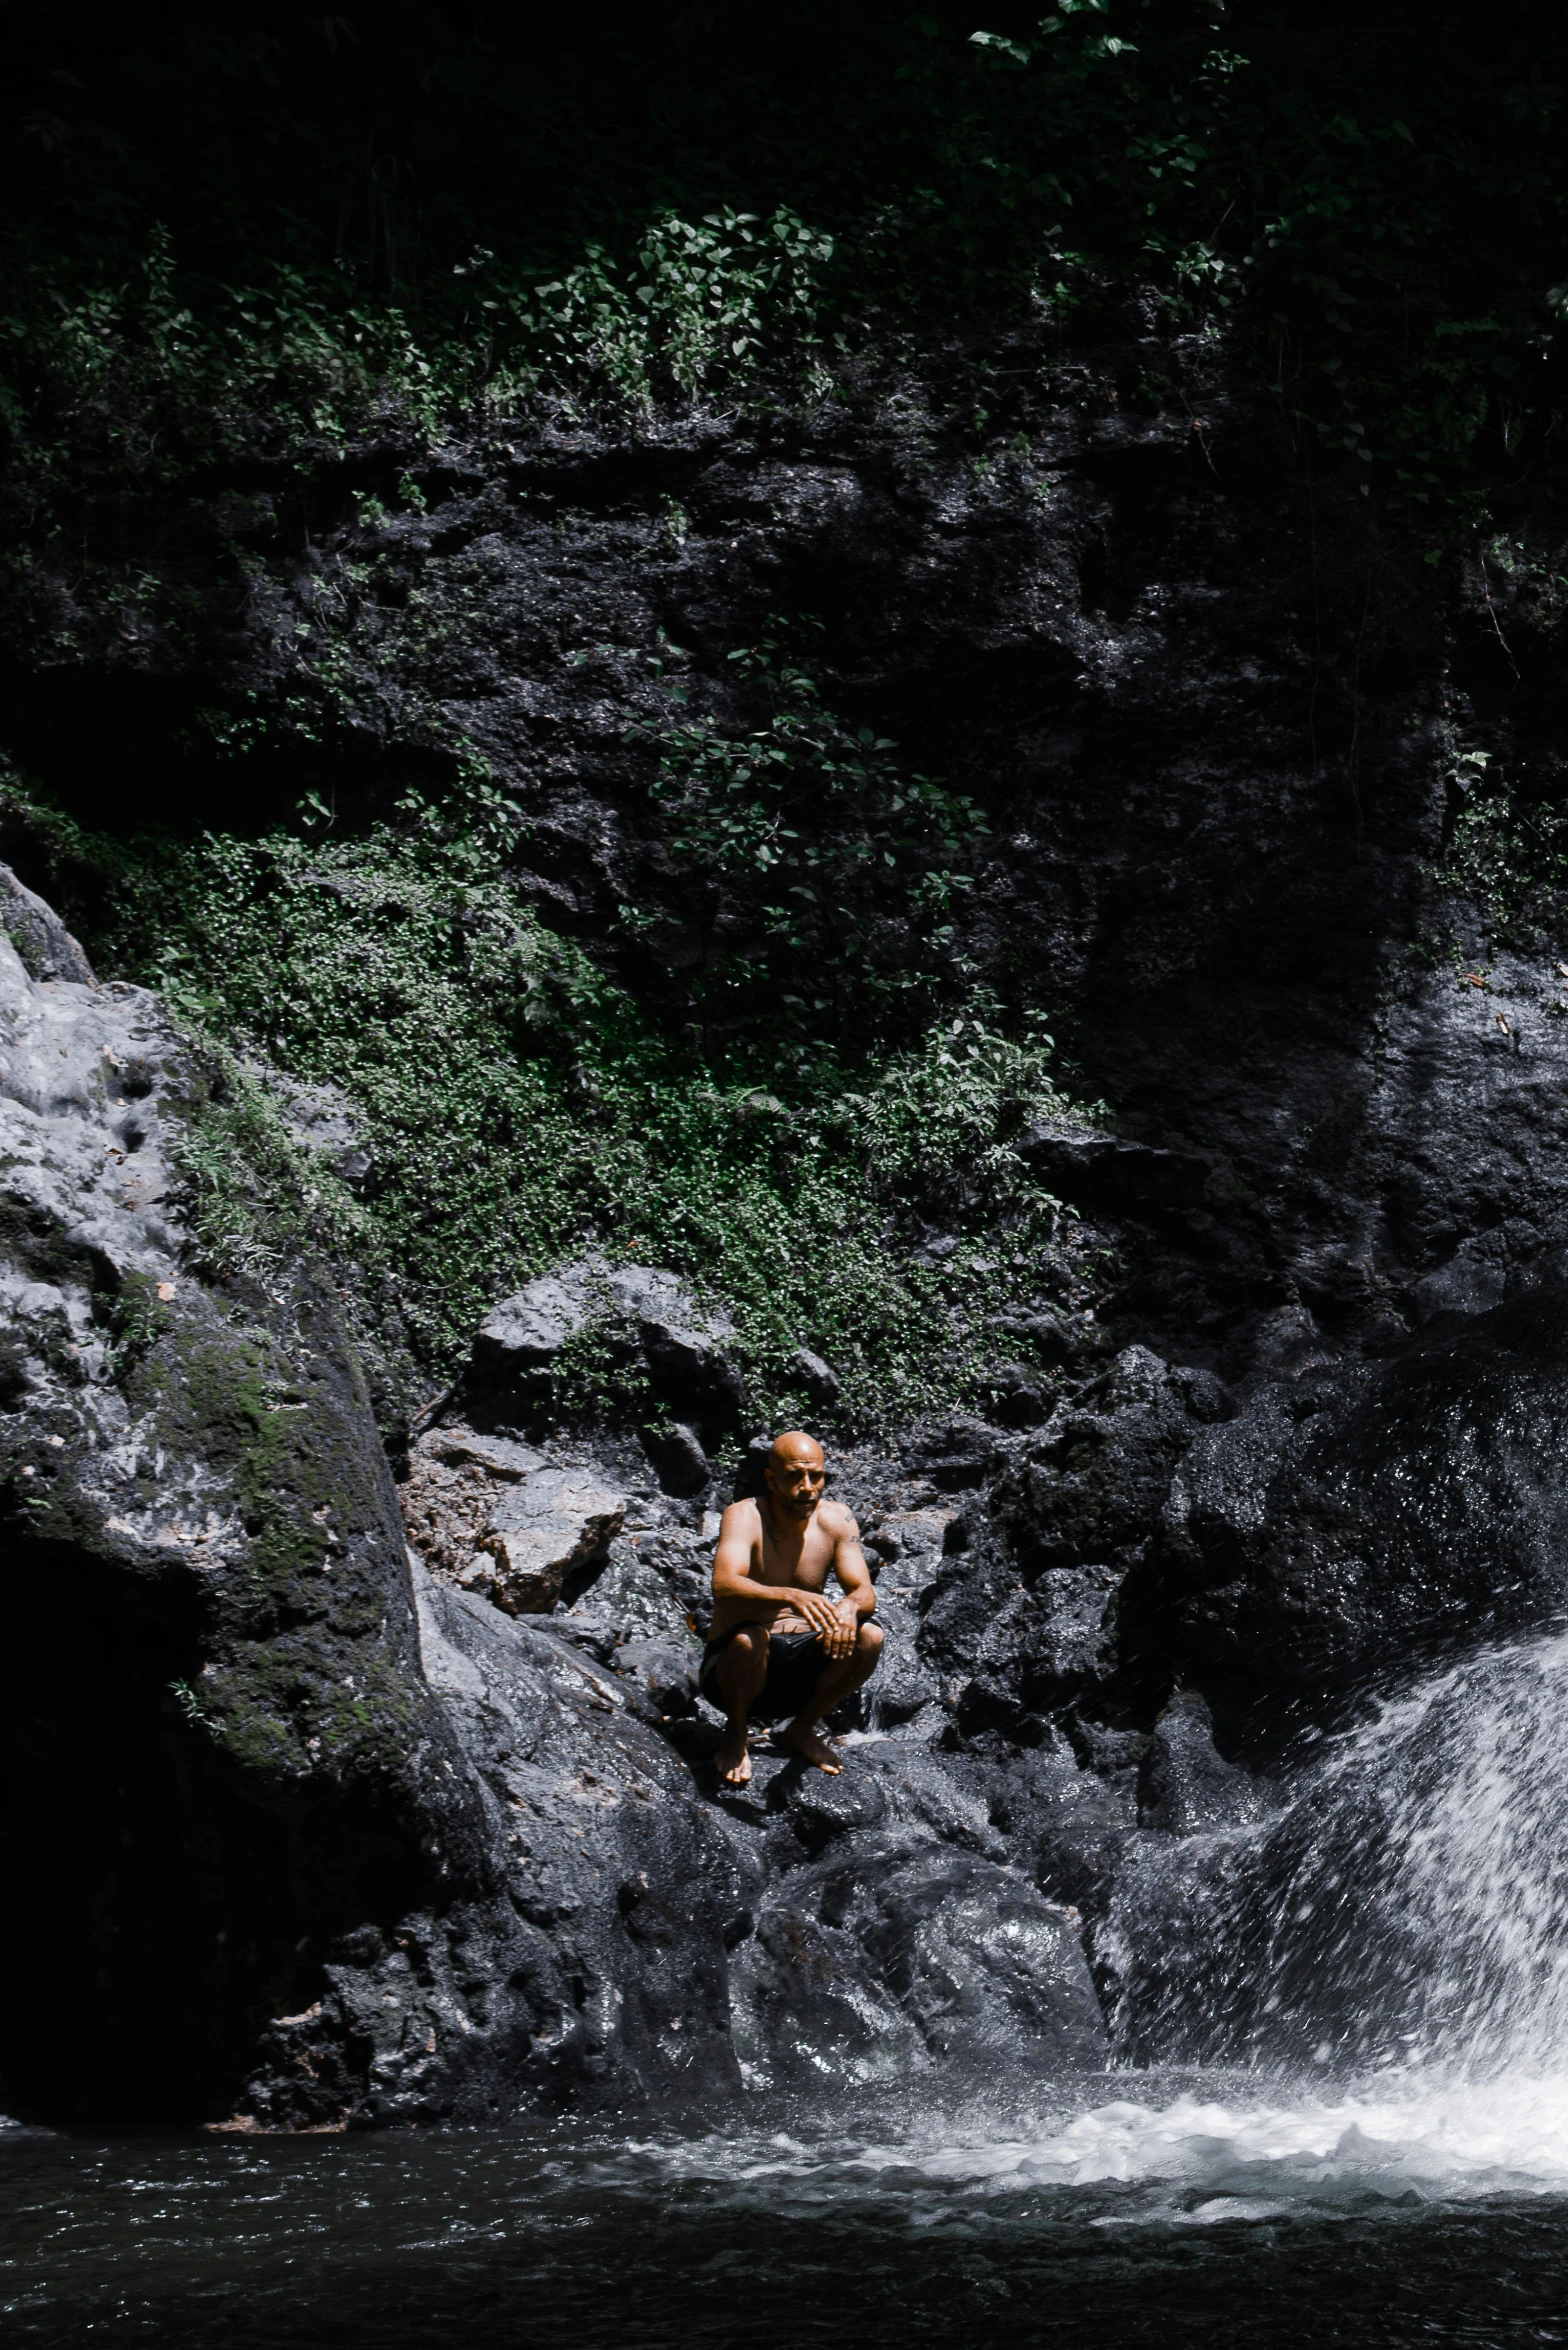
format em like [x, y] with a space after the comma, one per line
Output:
[310, 1826]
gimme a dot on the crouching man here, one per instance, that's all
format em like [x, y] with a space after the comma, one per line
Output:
[778, 1645]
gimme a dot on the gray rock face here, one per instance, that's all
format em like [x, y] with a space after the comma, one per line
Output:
[819, 1379]
[1188, 1789]
[215, 1675]
[651, 1325]
[388, 1861]
[1341, 1184]
[46, 947]
[600, 1970]
[893, 1957]
[1098, 1171]
[1358, 1518]
[499, 1519]
[481, 1859]
[1091, 1485]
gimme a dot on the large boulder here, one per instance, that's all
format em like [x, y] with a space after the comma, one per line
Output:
[1366, 1515]
[503, 1520]
[896, 1953]
[1091, 1485]
[596, 1972]
[220, 1752]
[1026, 1618]
[285, 1850]
[652, 1329]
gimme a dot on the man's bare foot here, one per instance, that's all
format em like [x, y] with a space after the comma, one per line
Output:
[732, 1761]
[805, 1742]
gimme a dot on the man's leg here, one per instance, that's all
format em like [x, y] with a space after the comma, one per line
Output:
[738, 1677]
[839, 1681]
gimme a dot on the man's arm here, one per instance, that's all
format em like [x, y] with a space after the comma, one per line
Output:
[860, 1598]
[734, 1582]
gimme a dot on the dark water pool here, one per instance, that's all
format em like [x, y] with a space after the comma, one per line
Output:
[1414, 2216]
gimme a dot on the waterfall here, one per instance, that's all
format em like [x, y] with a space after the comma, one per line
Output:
[1407, 1907]
[1365, 1993]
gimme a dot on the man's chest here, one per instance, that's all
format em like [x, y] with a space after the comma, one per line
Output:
[806, 1568]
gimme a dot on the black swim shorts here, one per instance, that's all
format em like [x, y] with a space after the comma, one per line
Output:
[796, 1662]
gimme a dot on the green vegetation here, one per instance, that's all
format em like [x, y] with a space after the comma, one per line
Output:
[321, 251]
[832, 871]
[516, 1106]
[266, 237]
[1507, 853]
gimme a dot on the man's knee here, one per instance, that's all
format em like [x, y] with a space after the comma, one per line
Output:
[868, 1645]
[745, 1655]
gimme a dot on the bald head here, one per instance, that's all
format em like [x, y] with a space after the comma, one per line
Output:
[794, 1474]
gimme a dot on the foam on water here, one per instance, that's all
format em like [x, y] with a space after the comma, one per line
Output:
[1451, 2139]
[1434, 2140]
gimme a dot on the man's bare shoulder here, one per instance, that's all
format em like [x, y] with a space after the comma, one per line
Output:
[741, 1517]
[838, 1521]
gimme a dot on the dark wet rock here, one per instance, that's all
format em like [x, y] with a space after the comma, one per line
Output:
[956, 1454]
[243, 1760]
[1091, 1486]
[822, 1807]
[679, 1462]
[1187, 1788]
[1098, 1171]
[991, 1972]
[1021, 1398]
[993, 1975]
[1044, 1647]
[807, 2014]
[1474, 1280]
[959, 1606]
[598, 1972]
[1066, 1827]
[924, 1789]
[903, 1686]
[819, 1379]
[683, 1555]
[632, 1592]
[1367, 1515]
[920, 1955]
[664, 1670]
[1053, 1339]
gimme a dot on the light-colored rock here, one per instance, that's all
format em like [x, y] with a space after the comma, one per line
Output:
[500, 1520]
[687, 1351]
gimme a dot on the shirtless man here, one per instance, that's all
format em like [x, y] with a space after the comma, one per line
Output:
[777, 1642]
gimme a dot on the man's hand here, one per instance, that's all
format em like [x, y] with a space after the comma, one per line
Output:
[835, 1631]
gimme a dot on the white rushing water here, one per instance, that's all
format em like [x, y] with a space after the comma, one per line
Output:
[1366, 1991]
[1406, 1910]
[1226, 2152]
[1388, 1956]
[1438, 2138]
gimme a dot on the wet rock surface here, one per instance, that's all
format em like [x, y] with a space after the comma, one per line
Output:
[453, 1859]
[429, 1789]
[212, 1674]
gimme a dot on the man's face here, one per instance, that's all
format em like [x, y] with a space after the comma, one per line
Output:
[795, 1477]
